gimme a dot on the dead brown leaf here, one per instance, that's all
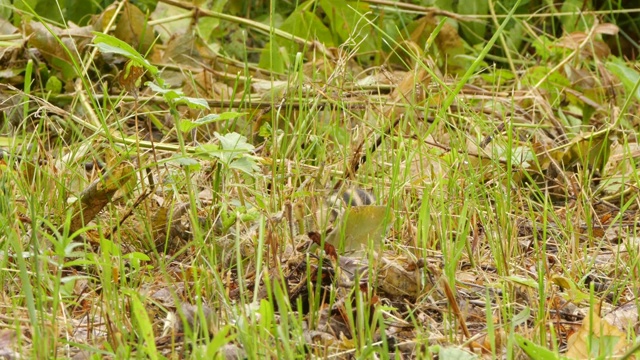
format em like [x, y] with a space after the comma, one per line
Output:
[596, 335]
[98, 194]
[133, 29]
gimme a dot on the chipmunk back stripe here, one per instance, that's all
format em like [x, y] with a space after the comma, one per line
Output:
[357, 197]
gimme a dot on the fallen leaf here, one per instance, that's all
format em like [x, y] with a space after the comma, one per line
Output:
[359, 226]
[596, 338]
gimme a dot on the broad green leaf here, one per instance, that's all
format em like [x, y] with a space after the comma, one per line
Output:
[535, 351]
[578, 21]
[172, 93]
[177, 96]
[54, 85]
[208, 151]
[192, 164]
[137, 255]
[234, 142]
[523, 281]
[109, 44]
[474, 31]
[521, 317]
[188, 125]
[193, 103]
[350, 22]
[234, 152]
[279, 53]
[245, 164]
[628, 76]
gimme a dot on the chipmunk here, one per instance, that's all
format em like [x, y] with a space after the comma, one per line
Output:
[331, 208]
[315, 214]
[338, 201]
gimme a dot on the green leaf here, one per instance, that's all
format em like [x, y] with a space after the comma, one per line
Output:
[144, 328]
[474, 31]
[234, 142]
[579, 20]
[218, 341]
[455, 353]
[54, 85]
[279, 53]
[137, 255]
[193, 103]
[350, 22]
[520, 318]
[109, 44]
[188, 125]
[234, 152]
[159, 89]
[628, 76]
[535, 351]
[208, 151]
[523, 281]
[245, 164]
[190, 163]
[177, 96]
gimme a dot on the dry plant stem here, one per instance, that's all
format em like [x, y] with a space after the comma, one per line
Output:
[420, 9]
[503, 40]
[142, 144]
[453, 302]
[358, 159]
[171, 19]
[400, 93]
[148, 191]
[258, 26]
[85, 103]
[213, 103]
[98, 194]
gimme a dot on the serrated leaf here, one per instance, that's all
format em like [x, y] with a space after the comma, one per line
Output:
[209, 151]
[234, 146]
[234, 141]
[245, 164]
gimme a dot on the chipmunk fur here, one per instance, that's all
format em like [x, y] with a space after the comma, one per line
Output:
[335, 204]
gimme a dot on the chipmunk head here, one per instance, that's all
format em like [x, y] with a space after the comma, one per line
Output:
[338, 201]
